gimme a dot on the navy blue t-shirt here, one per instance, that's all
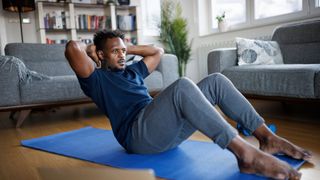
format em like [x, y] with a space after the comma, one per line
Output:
[120, 95]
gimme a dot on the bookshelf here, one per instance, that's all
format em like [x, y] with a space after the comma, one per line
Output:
[59, 22]
[128, 22]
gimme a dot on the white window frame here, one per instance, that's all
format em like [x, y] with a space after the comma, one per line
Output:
[204, 17]
[313, 9]
[309, 10]
[280, 18]
[235, 26]
[146, 24]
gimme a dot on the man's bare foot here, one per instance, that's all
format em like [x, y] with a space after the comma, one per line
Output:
[253, 161]
[274, 144]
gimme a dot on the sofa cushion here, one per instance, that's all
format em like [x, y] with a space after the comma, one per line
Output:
[57, 88]
[47, 59]
[60, 88]
[288, 80]
[307, 53]
[298, 33]
[154, 81]
[252, 52]
[299, 42]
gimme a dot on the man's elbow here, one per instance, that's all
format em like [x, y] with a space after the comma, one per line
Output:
[70, 47]
[160, 51]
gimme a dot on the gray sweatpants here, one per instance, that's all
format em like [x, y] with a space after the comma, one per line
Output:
[184, 107]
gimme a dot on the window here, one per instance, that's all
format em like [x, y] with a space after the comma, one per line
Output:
[242, 14]
[235, 11]
[269, 8]
[150, 17]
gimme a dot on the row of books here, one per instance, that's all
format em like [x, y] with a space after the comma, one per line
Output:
[64, 41]
[76, 1]
[57, 20]
[132, 40]
[56, 41]
[92, 22]
[61, 20]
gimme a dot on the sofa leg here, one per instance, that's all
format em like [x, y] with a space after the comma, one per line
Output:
[13, 115]
[21, 117]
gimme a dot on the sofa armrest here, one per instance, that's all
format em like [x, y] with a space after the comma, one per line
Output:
[220, 59]
[168, 66]
[9, 81]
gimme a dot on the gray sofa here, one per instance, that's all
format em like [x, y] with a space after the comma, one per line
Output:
[297, 79]
[37, 75]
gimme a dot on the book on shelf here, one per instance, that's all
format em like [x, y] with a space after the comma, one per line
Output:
[57, 20]
[58, 17]
[126, 22]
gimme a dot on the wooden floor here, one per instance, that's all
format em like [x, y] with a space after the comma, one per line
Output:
[298, 123]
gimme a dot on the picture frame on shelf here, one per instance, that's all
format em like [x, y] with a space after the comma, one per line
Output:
[124, 2]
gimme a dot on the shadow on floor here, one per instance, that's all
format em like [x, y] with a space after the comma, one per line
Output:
[297, 111]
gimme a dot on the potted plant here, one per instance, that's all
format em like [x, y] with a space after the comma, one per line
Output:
[222, 23]
[174, 33]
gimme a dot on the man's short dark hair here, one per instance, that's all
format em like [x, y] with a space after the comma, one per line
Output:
[100, 38]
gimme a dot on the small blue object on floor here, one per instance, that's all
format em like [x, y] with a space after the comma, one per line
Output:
[191, 160]
[245, 132]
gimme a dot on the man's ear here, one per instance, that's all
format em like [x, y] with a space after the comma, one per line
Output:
[100, 54]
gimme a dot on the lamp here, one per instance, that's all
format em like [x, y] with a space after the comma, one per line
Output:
[19, 6]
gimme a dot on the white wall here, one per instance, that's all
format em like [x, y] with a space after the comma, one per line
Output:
[3, 37]
[13, 27]
[10, 28]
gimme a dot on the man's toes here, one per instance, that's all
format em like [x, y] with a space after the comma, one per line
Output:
[294, 175]
[292, 152]
[306, 155]
[280, 176]
[301, 154]
[297, 153]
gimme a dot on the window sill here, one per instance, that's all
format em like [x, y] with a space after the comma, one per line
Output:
[262, 23]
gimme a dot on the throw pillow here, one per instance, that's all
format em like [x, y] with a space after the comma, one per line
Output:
[258, 52]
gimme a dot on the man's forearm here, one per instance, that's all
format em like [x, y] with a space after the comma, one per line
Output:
[143, 50]
[151, 55]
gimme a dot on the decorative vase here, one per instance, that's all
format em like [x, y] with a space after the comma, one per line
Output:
[223, 26]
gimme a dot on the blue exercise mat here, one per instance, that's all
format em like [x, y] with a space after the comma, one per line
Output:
[191, 160]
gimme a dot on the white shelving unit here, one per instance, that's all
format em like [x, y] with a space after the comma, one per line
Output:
[71, 31]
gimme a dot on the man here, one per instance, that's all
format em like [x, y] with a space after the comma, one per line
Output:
[145, 125]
